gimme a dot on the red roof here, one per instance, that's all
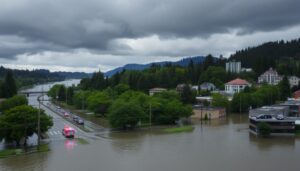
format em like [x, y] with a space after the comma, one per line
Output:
[238, 81]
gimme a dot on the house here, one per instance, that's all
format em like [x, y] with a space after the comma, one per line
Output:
[180, 87]
[294, 81]
[152, 91]
[271, 77]
[233, 67]
[296, 94]
[207, 86]
[195, 88]
[236, 86]
[200, 112]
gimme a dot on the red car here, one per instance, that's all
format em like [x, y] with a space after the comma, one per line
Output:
[68, 132]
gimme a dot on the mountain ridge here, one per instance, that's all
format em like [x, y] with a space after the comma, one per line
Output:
[133, 66]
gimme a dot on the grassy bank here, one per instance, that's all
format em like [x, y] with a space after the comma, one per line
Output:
[20, 151]
[11, 152]
[179, 129]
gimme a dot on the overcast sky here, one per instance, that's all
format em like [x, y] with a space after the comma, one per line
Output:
[88, 35]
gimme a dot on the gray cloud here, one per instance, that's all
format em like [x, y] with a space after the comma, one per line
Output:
[34, 26]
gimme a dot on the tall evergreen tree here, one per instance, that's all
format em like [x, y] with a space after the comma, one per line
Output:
[61, 93]
[187, 95]
[284, 88]
[70, 95]
[9, 87]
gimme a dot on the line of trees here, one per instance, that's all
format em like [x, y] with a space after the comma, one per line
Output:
[168, 76]
[125, 108]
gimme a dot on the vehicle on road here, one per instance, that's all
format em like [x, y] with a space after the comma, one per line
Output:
[75, 118]
[66, 114]
[68, 132]
[80, 121]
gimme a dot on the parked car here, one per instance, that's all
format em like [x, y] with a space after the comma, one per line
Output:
[280, 117]
[263, 116]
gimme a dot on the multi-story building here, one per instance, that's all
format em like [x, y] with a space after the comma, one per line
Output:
[294, 81]
[236, 86]
[233, 66]
[271, 77]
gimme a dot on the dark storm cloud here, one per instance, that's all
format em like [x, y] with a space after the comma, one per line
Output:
[92, 24]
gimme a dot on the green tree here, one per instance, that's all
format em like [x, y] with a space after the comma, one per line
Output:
[264, 129]
[21, 122]
[219, 100]
[9, 85]
[53, 92]
[70, 95]
[98, 102]
[187, 95]
[13, 102]
[61, 93]
[121, 88]
[80, 99]
[125, 115]
[284, 88]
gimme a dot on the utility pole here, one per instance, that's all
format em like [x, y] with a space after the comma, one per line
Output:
[240, 104]
[150, 115]
[39, 124]
[66, 95]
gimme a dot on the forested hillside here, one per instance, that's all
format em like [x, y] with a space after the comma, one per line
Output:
[167, 76]
[26, 77]
[282, 55]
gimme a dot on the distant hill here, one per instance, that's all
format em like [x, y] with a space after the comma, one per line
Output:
[282, 55]
[31, 77]
[183, 62]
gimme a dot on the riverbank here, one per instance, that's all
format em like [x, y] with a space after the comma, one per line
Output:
[23, 151]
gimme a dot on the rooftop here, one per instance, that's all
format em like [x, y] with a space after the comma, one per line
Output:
[238, 81]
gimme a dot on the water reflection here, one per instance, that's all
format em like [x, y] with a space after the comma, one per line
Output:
[127, 141]
[69, 144]
[36, 161]
[267, 143]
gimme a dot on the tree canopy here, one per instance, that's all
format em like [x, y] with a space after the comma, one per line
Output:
[21, 122]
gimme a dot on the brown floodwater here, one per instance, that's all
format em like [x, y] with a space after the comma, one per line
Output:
[218, 145]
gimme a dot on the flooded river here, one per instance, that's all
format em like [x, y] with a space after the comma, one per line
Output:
[224, 145]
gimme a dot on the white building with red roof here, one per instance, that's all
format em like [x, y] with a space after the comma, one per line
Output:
[236, 86]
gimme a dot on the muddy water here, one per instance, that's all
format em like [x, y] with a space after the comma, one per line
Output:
[225, 145]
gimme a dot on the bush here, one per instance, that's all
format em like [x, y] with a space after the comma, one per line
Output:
[13, 102]
[264, 129]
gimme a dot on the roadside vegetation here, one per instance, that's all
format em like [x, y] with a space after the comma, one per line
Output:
[18, 120]
[188, 128]
[21, 151]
